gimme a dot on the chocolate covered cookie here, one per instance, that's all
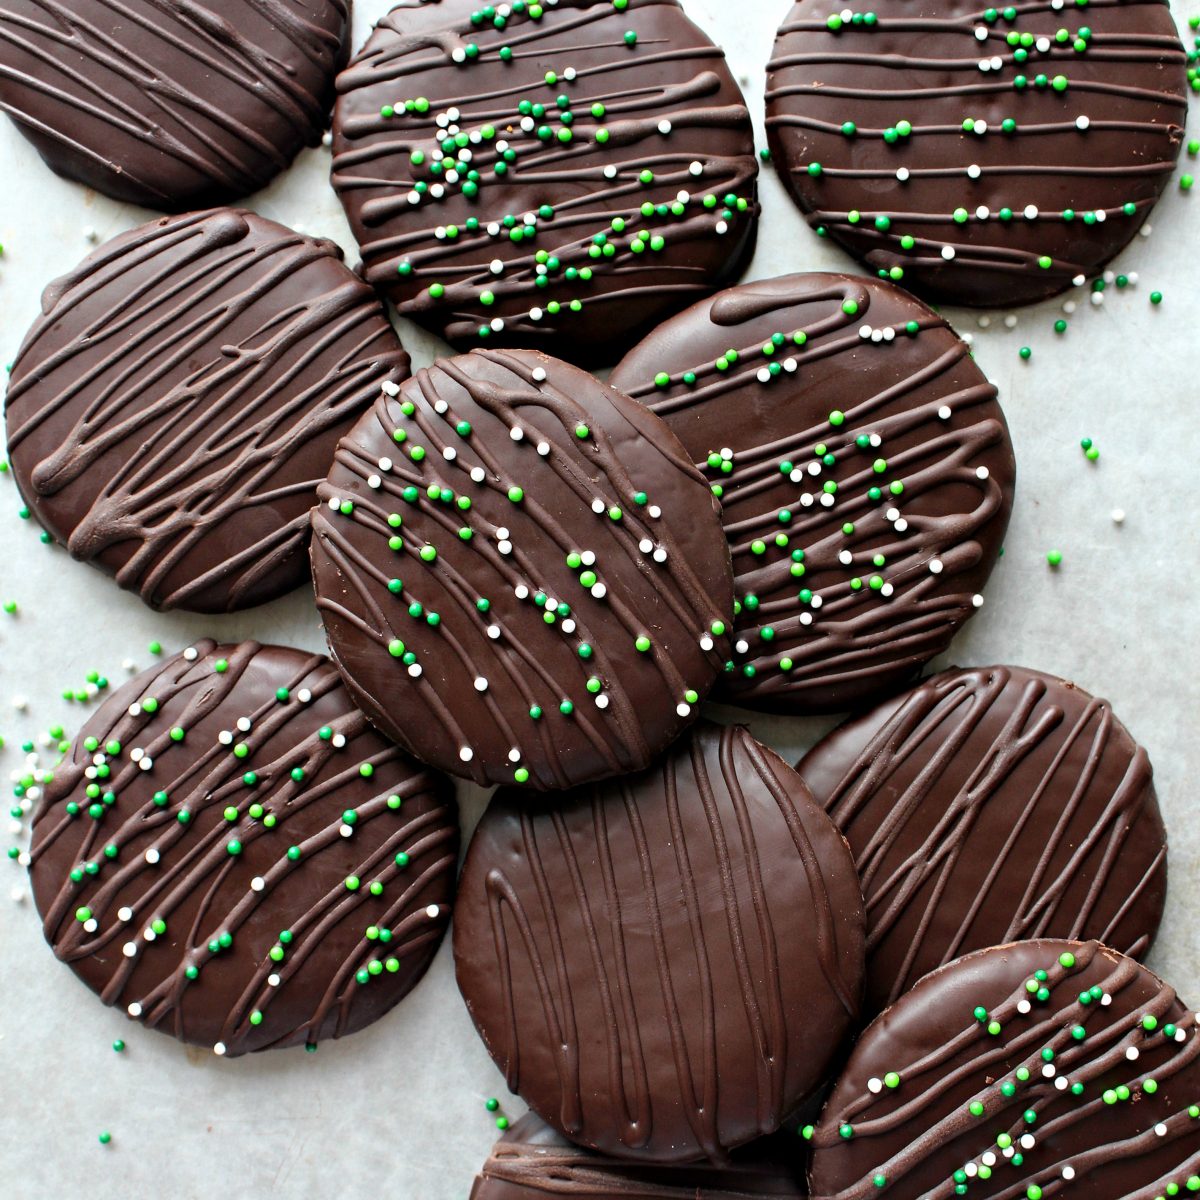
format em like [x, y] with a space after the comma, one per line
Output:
[556, 175]
[664, 965]
[170, 105]
[233, 856]
[521, 574]
[532, 1161]
[991, 805]
[1037, 1069]
[985, 156]
[864, 470]
[173, 408]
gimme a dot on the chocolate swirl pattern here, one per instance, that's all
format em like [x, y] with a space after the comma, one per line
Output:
[663, 965]
[1037, 1069]
[233, 856]
[170, 103]
[531, 1161]
[992, 805]
[521, 574]
[864, 470]
[557, 175]
[982, 155]
[171, 411]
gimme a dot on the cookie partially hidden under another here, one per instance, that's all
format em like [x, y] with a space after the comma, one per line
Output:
[665, 965]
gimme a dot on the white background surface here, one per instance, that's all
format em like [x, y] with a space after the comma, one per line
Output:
[396, 1111]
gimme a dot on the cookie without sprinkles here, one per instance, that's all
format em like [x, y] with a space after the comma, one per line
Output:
[170, 105]
[864, 470]
[985, 156]
[172, 409]
[664, 965]
[557, 175]
[232, 855]
[521, 574]
[988, 805]
[1036, 1069]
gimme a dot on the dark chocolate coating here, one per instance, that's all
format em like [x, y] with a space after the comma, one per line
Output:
[908, 134]
[532, 1161]
[171, 103]
[508, 599]
[164, 847]
[1120, 1138]
[807, 637]
[669, 106]
[172, 410]
[992, 805]
[663, 966]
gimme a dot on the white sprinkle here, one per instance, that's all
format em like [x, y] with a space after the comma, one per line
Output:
[134, 1009]
[1062, 1083]
[988, 1159]
[152, 856]
[722, 227]
[415, 670]
[1105, 1000]
[478, 474]
[389, 388]
[935, 566]
[504, 547]
[845, 558]
[1031, 212]
[1079, 280]
[90, 925]
[864, 331]
[493, 631]
[243, 723]
[947, 252]
[225, 737]
[497, 324]
[983, 212]
[338, 740]
[535, 314]
[1068, 1172]
[645, 545]
[1118, 516]
[763, 375]
[902, 174]
[981, 472]
[977, 600]
[985, 64]
[433, 911]
[1028, 1141]
[385, 464]
[539, 374]
[664, 127]
[874, 1086]
[981, 33]
[466, 754]
[219, 1049]
[1043, 44]
[129, 949]
[17, 893]
[257, 883]
[806, 618]
[683, 709]
[374, 481]
[136, 753]
[516, 433]
[696, 168]
[886, 590]
[599, 591]
[1160, 1129]
[1048, 1071]
[124, 913]
[514, 755]
[1131, 1053]
[610, 172]
[272, 980]
[706, 642]
[598, 506]
[741, 645]
[602, 701]
[521, 592]
[191, 654]
[654, 511]
[1081, 122]
[974, 171]
[944, 412]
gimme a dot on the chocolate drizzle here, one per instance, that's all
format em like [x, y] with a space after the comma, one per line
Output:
[663, 966]
[532, 1161]
[842, 423]
[302, 868]
[522, 577]
[558, 176]
[992, 805]
[1042, 1068]
[171, 411]
[984, 155]
[170, 103]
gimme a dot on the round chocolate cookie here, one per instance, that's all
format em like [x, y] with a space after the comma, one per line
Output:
[532, 1161]
[170, 105]
[985, 156]
[522, 577]
[864, 470]
[233, 855]
[992, 805]
[665, 965]
[1037, 1069]
[172, 410]
[557, 175]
